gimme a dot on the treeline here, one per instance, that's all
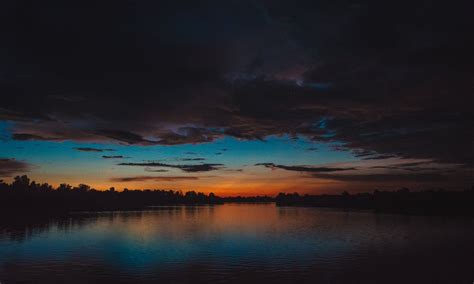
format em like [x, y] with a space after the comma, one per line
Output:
[23, 195]
[403, 201]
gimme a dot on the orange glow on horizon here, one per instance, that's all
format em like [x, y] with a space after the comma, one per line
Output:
[242, 184]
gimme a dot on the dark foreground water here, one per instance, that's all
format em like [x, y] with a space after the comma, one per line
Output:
[239, 244]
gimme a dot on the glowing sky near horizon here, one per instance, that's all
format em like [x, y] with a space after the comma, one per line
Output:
[58, 162]
[313, 97]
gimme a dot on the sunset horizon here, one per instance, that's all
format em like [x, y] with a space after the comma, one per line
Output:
[198, 168]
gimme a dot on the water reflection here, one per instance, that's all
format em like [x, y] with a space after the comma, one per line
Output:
[237, 243]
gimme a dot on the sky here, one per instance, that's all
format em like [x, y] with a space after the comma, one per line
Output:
[238, 97]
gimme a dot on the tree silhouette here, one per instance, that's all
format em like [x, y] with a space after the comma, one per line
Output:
[29, 197]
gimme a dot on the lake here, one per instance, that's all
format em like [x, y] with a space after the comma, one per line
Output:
[237, 243]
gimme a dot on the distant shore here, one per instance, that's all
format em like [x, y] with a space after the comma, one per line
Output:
[403, 201]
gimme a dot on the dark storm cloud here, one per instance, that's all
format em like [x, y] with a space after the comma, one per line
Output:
[308, 169]
[89, 149]
[185, 168]
[152, 178]
[10, 167]
[389, 78]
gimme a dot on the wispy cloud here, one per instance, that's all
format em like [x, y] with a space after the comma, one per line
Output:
[113, 157]
[185, 168]
[89, 149]
[28, 136]
[9, 167]
[308, 169]
[152, 178]
[151, 170]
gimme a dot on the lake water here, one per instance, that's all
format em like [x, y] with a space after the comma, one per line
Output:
[238, 243]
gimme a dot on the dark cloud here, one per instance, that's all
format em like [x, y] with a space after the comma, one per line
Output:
[423, 166]
[234, 170]
[163, 72]
[26, 136]
[113, 157]
[152, 178]
[386, 177]
[379, 157]
[10, 167]
[185, 168]
[151, 170]
[125, 136]
[412, 169]
[308, 169]
[187, 135]
[437, 175]
[192, 159]
[421, 171]
[89, 149]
